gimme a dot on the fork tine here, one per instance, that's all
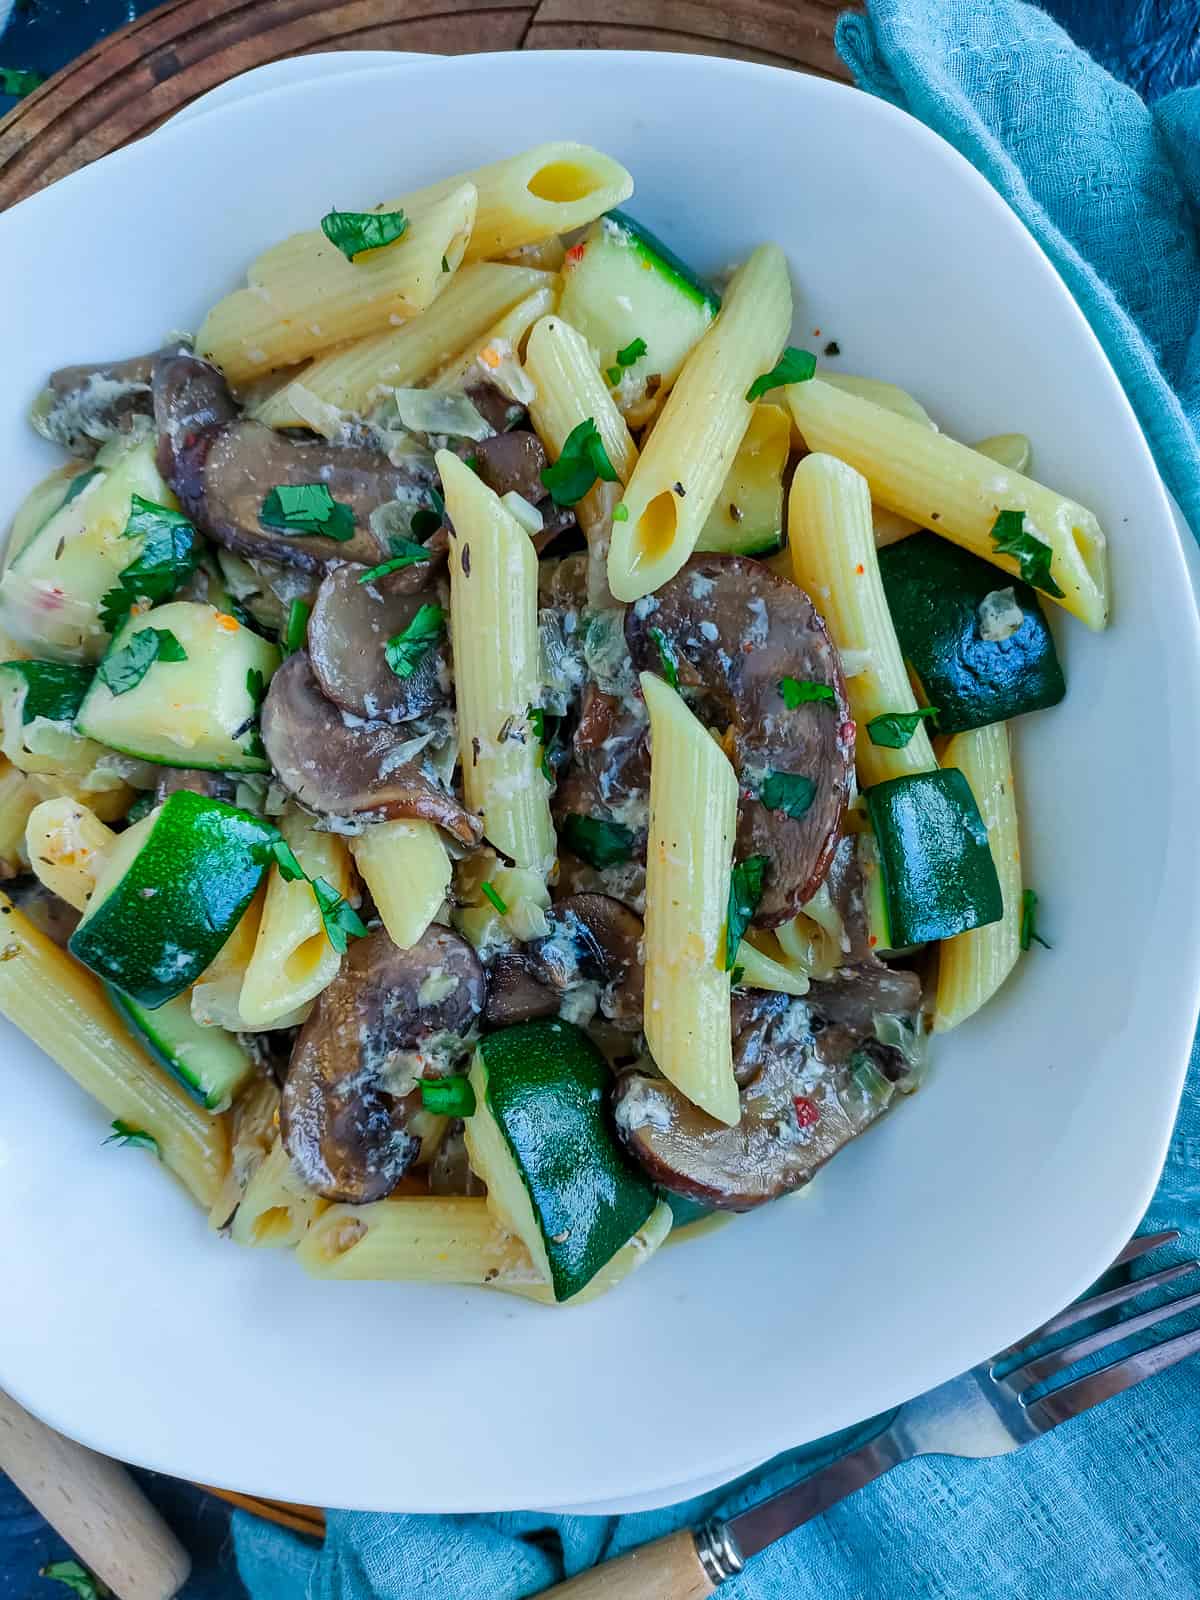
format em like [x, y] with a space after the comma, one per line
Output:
[1043, 1367]
[1081, 1310]
[1086, 1392]
[1143, 1244]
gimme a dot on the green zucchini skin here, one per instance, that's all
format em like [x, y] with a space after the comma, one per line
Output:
[209, 1063]
[937, 867]
[547, 1089]
[178, 901]
[664, 261]
[934, 590]
[53, 689]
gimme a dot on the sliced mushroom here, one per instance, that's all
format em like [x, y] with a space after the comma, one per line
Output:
[810, 1072]
[512, 462]
[81, 407]
[516, 994]
[348, 631]
[494, 406]
[343, 769]
[389, 1018]
[736, 630]
[594, 938]
[191, 401]
[215, 785]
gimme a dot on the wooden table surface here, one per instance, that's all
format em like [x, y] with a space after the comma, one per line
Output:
[131, 81]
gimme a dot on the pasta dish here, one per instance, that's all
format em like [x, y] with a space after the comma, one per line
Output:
[504, 755]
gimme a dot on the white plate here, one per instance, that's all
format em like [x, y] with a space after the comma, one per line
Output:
[969, 1215]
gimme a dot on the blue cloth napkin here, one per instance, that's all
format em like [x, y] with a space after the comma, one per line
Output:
[1105, 1506]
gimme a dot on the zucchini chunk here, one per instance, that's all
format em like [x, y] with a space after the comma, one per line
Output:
[210, 1063]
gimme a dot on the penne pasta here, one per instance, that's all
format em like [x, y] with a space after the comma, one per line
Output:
[684, 462]
[293, 959]
[400, 357]
[497, 664]
[277, 1206]
[1009, 449]
[972, 966]
[956, 491]
[18, 797]
[303, 295]
[881, 393]
[216, 993]
[67, 847]
[405, 866]
[64, 1010]
[693, 817]
[548, 254]
[506, 337]
[832, 546]
[761, 970]
[253, 1130]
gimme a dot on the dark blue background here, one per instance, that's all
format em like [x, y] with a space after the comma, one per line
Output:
[1154, 45]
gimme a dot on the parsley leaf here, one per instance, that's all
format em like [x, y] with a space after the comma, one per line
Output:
[799, 691]
[404, 553]
[307, 508]
[1029, 933]
[342, 922]
[256, 686]
[793, 366]
[426, 522]
[666, 654]
[545, 736]
[632, 352]
[295, 629]
[124, 669]
[601, 844]
[356, 231]
[285, 859]
[405, 651]
[894, 729]
[745, 891]
[77, 1578]
[490, 892]
[448, 1097]
[736, 976]
[169, 556]
[789, 792]
[581, 461]
[1010, 537]
[620, 512]
[126, 1133]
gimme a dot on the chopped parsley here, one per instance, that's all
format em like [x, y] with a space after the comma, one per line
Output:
[342, 922]
[581, 461]
[285, 859]
[125, 1133]
[789, 792]
[799, 691]
[745, 891]
[601, 844]
[169, 556]
[490, 892]
[1010, 537]
[793, 366]
[633, 351]
[545, 736]
[428, 519]
[405, 552]
[448, 1097]
[256, 686]
[620, 512]
[736, 976]
[1029, 933]
[405, 651]
[354, 232]
[122, 670]
[295, 629]
[666, 654]
[77, 1578]
[894, 729]
[307, 508]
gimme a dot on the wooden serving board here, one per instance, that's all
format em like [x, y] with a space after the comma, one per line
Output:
[131, 81]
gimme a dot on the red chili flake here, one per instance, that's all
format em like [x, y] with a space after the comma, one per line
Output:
[575, 254]
[860, 569]
[872, 941]
[808, 1113]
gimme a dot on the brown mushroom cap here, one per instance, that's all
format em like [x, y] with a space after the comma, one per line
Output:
[512, 462]
[736, 630]
[191, 401]
[801, 1099]
[82, 406]
[342, 770]
[593, 936]
[350, 626]
[353, 1082]
[516, 994]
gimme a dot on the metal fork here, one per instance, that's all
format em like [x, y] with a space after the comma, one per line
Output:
[984, 1412]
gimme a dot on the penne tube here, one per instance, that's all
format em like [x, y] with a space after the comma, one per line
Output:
[506, 337]
[401, 357]
[762, 971]
[548, 254]
[407, 869]
[972, 966]
[497, 668]
[1009, 449]
[67, 848]
[684, 461]
[18, 797]
[277, 1206]
[253, 1129]
[304, 295]
[63, 1008]
[216, 993]
[881, 393]
[293, 959]
[832, 545]
[954, 490]
[693, 818]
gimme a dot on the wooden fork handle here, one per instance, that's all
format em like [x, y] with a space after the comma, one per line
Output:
[668, 1569]
[95, 1505]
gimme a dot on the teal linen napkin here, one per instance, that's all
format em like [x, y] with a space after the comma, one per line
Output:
[1105, 1506]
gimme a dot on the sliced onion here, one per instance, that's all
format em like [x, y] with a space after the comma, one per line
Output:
[440, 411]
